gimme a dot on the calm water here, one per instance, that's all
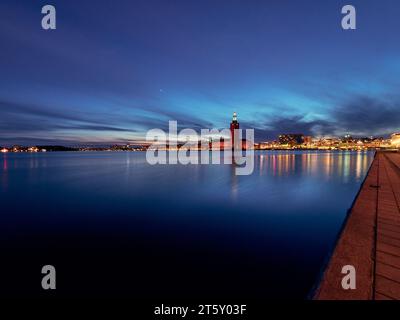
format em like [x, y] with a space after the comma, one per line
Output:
[113, 225]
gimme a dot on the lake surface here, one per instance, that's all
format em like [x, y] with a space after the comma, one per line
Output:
[113, 225]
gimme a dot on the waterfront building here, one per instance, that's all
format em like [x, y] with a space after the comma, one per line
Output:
[308, 140]
[395, 140]
[291, 139]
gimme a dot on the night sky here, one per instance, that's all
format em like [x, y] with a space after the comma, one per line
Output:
[114, 69]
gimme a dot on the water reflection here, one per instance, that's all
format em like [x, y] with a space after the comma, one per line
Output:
[4, 173]
[5, 165]
[277, 164]
[339, 164]
[287, 213]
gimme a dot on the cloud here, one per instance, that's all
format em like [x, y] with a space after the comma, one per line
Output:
[17, 117]
[93, 128]
[360, 116]
[364, 116]
[161, 116]
[18, 110]
[35, 122]
[271, 128]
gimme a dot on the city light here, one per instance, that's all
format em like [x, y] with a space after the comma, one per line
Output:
[396, 140]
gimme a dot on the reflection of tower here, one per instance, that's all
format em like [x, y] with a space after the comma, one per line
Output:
[234, 125]
[234, 181]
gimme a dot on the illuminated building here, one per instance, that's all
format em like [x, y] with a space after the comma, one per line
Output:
[396, 140]
[308, 140]
[291, 139]
[234, 125]
[16, 148]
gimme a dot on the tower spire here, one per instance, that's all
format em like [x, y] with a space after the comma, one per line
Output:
[234, 118]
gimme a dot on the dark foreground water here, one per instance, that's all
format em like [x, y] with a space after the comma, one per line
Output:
[113, 225]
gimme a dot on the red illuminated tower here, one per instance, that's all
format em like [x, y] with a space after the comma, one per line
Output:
[234, 125]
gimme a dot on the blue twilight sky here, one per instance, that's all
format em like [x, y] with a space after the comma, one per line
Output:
[114, 69]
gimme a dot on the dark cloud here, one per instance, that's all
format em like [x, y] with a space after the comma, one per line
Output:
[272, 128]
[368, 116]
[32, 110]
[18, 119]
[28, 140]
[24, 125]
[361, 116]
[93, 128]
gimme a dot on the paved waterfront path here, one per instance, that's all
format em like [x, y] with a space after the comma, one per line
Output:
[370, 240]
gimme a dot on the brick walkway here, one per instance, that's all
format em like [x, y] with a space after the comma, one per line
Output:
[370, 240]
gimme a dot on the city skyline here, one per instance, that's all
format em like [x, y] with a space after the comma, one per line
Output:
[287, 141]
[284, 67]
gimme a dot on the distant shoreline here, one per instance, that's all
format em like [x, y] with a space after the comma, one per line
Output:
[70, 149]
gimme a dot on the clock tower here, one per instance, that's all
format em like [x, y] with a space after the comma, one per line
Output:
[234, 125]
